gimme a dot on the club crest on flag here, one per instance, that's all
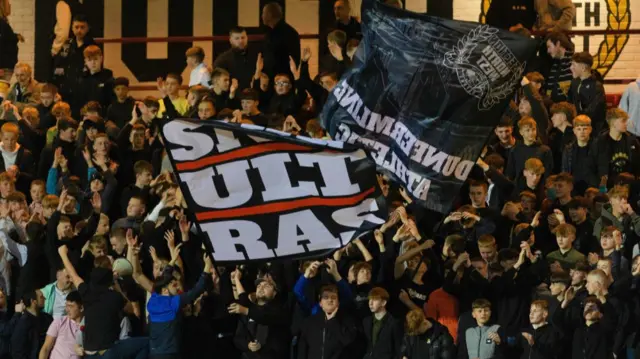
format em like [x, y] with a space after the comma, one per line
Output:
[490, 75]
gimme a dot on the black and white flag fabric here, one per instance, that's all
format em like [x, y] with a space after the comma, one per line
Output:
[423, 96]
[261, 194]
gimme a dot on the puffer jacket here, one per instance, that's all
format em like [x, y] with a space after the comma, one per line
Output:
[476, 343]
[436, 343]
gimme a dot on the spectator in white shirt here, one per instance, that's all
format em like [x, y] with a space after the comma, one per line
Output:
[200, 74]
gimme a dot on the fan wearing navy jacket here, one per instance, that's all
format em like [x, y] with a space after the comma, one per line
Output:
[165, 308]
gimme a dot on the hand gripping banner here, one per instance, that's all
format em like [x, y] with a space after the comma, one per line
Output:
[423, 96]
[260, 194]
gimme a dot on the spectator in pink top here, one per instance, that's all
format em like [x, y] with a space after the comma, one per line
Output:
[64, 337]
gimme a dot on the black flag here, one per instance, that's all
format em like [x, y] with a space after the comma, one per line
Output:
[261, 194]
[424, 95]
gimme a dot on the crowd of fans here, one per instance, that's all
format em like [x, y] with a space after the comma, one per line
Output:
[98, 258]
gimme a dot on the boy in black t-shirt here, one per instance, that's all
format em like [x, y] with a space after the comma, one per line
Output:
[616, 150]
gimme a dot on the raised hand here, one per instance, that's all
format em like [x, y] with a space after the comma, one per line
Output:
[184, 225]
[234, 86]
[312, 270]
[259, 65]
[170, 237]
[96, 202]
[295, 70]
[335, 50]
[160, 84]
[175, 253]
[57, 155]
[87, 156]
[306, 54]
[132, 240]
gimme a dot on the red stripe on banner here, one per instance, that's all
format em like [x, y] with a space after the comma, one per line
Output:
[239, 154]
[284, 206]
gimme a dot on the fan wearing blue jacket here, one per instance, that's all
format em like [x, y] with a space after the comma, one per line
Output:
[165, 309]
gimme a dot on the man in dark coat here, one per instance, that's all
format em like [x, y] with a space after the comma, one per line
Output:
[327, 333]
[281, 41]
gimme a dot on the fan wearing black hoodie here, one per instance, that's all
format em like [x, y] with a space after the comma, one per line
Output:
[586, 92]
[578, 157]
[224, 90]
[48, 94]
[66, 139]
[540, 340]
[327, 333]
[119, 112]
[103, 305]
[532, 105]
[426, 338]
[530, 147]
[561, 135]
[592, 329]
[95, 84]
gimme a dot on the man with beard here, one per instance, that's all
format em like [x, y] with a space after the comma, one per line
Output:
[239, 60]
[262, 331]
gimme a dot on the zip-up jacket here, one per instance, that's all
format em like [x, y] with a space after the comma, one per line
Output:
[476, 343]
[589, 98]
[326, 339]
[436, 343]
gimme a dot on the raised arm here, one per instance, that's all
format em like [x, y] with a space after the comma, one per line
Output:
[132, 256]
[64, 255]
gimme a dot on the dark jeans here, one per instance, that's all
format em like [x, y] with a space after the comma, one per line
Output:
[132, 348]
